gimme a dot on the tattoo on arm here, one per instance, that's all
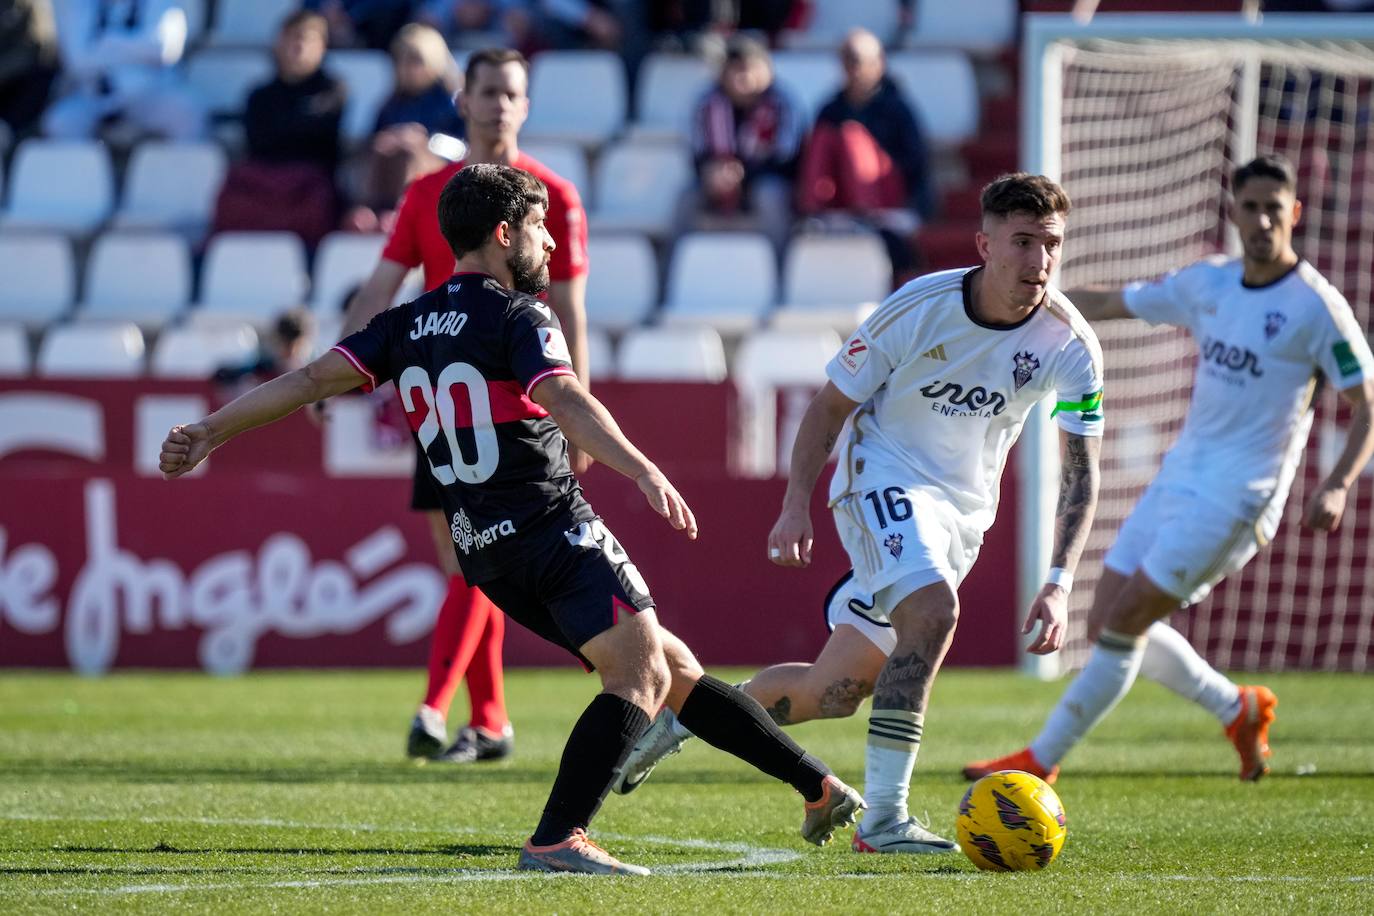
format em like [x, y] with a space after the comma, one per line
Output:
[1078, 483]
[904, 683]
[830, 440]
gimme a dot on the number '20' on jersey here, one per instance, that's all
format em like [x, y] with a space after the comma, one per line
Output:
[464, 357]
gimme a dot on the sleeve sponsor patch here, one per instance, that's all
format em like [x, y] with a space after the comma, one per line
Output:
[1346, 360]
[854, 355]
[554, 345]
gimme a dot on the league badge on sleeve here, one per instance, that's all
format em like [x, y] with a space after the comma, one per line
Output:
[554, 345]
[854, 354]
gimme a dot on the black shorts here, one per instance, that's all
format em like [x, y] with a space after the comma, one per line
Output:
[424, 489]
[576, 586]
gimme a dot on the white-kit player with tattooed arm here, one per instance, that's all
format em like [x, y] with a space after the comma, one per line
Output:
[1269, 329]
[939, 381]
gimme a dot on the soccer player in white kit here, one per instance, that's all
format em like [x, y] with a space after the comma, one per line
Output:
[1269, 329]
[939, 381]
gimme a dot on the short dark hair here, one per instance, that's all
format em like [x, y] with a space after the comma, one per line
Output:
[493, 57]
[1270, 165]
[742, 48]
[482, 196]
[1022, 192]
[309, 19]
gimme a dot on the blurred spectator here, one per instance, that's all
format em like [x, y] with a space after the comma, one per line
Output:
[292, 130]
[361, 23]
[680, 24]
[867, 158]
[481, 23]
[579, 23]
[746, 136]
[421, 105]
[28, 60]
[290, 346]
[119, 61]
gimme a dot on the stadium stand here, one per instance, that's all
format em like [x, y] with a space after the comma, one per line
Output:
[776, 358]
[577, 95]
[342, 263]
[726, 280]
[985, 27]
[816, 295]
[944, 89]
[672, 354]
[14, 351]
[639, 187]
[830, 21]
[140, 277]
[600, 354]
[566, 159]
[369, 77]
[622, 288]
[667, 92]
[809, 77]
[193, 352]
[223, 78]
[171, 186]
[40, 278]
[91, 351]
[67, 186]
[251, 276]
[248, 23]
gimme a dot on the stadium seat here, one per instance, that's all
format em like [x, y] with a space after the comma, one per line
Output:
[39, 274]
[776, 358]
[369, 77]
[135, 276]
[832, 281]
[172, 186]
[622, 287]
[249, 23]
[63, 185]
[979, 26]
[942, 86]
[667, 91]
[91, 351]
[194, 352]
[723, 279]
[600, 355]
[672, 354]
[252, 276]
[576, 95]
[195, 20]
[831, 19]
[639, 187]
[567, 160]
[809, 77]
[14, 351]
[223, 79]
[343, 262]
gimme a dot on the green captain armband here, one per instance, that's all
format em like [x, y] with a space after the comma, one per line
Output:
[1090, 402]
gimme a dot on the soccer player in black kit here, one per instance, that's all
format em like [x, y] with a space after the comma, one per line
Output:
[485, 378]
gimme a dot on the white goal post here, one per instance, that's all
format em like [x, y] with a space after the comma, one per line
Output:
[1142, 118]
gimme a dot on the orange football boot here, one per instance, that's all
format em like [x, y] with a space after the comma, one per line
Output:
[1249, 732]
[1021, 760]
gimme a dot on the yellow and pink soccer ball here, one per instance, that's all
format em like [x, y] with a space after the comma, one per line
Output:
[1011, 821]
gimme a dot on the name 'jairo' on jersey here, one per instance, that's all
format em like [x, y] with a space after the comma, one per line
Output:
[1261, 354]
[944, 396]
[464, 357]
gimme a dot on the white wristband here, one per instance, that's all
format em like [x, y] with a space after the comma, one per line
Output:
[1060, 577]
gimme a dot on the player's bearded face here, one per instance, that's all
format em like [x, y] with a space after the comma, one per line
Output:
[1265, 212]
[529, 261]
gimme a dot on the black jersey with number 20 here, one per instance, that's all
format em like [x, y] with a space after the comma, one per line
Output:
[464, 357]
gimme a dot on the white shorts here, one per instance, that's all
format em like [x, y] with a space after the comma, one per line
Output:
[1185, 544]
[899, 539]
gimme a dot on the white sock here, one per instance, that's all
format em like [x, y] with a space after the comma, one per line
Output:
[1104, 680]
[894, 737]
[1172, 661]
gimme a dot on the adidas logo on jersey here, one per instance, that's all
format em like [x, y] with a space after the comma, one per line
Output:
[937, 353]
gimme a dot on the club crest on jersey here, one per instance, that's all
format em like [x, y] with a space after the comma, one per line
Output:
[1273, 323]
[854, 355]
[894, 545]
[1026, 364]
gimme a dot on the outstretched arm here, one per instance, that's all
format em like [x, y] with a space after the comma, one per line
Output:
[1099, 303]
[187, 446]
[1326, 507]
[789, 543]
[590, 427]
[1078, 482]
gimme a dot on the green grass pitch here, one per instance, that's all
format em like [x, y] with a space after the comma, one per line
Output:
[151, 792]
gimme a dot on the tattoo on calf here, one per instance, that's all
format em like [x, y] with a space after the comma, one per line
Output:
[843, 697]
[903, 684]
[781, 711]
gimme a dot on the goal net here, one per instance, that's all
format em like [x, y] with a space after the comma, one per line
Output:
[1143, 130]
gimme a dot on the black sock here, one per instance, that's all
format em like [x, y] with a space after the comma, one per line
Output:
[728, 718]
[599, 743]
